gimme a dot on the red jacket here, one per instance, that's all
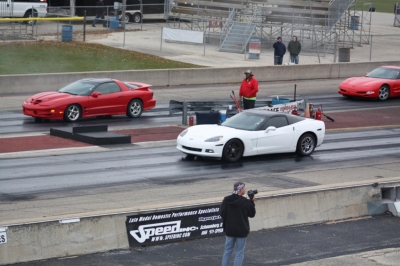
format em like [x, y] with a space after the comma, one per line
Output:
[249, 89]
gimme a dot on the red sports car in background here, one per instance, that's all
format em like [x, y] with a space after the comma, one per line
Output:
[381, 83]
[91, 97]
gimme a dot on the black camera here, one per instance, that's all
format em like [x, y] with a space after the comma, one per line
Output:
[251, 193]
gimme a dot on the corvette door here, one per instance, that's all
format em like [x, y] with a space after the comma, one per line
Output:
[110, 100]
[279, 138]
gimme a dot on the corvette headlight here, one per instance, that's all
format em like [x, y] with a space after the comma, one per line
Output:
[183, 133]
[370, 92]
[214, 139]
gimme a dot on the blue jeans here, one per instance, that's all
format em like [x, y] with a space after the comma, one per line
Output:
[278, 60]
[229, 245]
[294, 59]
[102, 19]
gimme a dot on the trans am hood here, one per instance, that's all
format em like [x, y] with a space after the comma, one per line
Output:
[361, 82]
[46, 98]
[209, 131]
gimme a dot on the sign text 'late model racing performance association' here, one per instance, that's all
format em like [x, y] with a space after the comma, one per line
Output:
[174, 225]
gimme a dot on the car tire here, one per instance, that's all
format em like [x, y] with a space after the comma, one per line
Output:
[134, 108]
[306, 145]
[137, 18]
[233, 150]
[72, 113]
[383, 93]
[30, 14]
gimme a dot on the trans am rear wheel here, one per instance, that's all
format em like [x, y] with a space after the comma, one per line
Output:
[306, 144]
[135, 108]
[72, 113]
[383, 93]
[233, 150]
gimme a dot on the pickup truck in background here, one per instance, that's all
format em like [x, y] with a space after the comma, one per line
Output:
[23, 8]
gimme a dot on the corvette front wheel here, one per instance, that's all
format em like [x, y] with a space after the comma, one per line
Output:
[72, 113]
[383, 93]
[233, 150]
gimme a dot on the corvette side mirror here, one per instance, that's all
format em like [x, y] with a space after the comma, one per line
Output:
[96, 94]
[270, 129]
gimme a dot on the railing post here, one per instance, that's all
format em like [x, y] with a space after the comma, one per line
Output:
[184, 114]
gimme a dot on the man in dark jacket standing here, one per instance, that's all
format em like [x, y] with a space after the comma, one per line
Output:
[294, 48]
[248, 90]
[280, 51]
[235, 212]
[100, 14]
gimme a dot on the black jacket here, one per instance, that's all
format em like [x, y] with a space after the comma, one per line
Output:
[280, 49]
[100, 8]
[235, 212]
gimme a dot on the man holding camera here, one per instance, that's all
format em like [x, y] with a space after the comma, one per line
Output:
[235, 212]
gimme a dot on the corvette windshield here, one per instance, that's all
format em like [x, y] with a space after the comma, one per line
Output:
[384, 73]
[81, 88]
[245, 121]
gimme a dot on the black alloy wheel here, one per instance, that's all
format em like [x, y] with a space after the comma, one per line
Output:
[233, 150]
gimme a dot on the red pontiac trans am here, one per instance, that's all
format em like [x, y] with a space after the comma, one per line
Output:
[91, 97]
[381, 83]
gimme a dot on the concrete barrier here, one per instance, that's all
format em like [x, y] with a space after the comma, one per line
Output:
[102, 232]
[199, 76]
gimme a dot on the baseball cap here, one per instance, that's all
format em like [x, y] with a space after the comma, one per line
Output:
[248, 72]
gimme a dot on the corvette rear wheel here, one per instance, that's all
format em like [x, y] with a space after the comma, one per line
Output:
[383, 93]
[233, 150]
[134, 108]
[72, 113]
[306, 145]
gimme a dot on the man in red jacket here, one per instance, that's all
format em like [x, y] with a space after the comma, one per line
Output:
[235, 212]
[248, 90]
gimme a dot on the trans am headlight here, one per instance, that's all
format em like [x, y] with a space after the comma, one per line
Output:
[183, 133]
[214, 139]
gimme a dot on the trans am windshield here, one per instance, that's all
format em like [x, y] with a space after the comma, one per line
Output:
[384, 73]
[82, 88]
[245, 121]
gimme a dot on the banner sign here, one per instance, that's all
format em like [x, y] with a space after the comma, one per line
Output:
[174, 225]
[182, 35]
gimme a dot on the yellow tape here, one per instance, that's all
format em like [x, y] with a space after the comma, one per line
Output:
[41, 19]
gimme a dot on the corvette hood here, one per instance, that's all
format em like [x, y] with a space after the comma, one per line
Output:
[361, 82]
[49, 97]
[209, 131]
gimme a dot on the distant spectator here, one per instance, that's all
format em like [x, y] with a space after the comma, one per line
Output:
[100, 11]
[280, 51]
[294, 49]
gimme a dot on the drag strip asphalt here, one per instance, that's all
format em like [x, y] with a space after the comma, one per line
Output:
[14, 122]
[135, 176]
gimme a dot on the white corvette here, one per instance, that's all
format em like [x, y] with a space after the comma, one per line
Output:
[253, 132]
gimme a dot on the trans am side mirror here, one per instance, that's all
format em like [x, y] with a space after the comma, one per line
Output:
[96, 94]
[270, 129]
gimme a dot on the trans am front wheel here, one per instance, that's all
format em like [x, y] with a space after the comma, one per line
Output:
[135, 108]
[233, 150]
[72, 113]
[306, 144]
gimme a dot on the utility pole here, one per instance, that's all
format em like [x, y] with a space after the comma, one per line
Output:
[123, 14]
